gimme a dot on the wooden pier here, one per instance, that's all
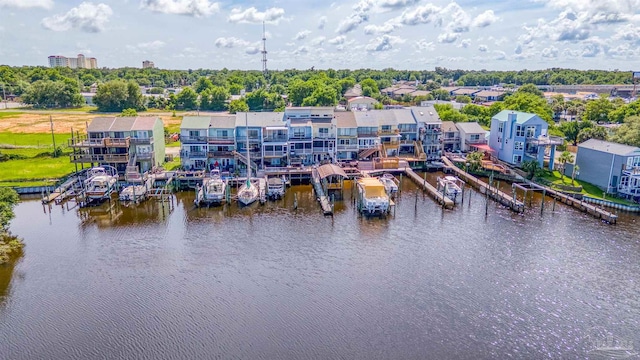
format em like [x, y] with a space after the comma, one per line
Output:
[322, 198]
[508, 200]
[438, 196]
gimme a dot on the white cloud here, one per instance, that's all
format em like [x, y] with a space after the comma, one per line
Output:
[338, 40]
[499, 55]
[396, 4]
[591, 50]
[425, 45]
[229, 42]
[318, 41]
[197, 8]
[302, 35]
[252, 50]
[322, 21]
[550, 52]
[568, 26]
[485, 19]
[351, 23]
[253, 16]
[483, 48]
[518, 49]
[420, 15]
[465, 43]
[448, 38]
[152, 45]
[385, 28]
[87, 17]
[301, 50]
[598, 11]
[383, 43]
[24, 4]
[628, 32]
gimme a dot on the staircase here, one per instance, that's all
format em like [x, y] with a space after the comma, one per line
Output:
[368, 152]
[245, 161]
[132, 173]
[419, 150]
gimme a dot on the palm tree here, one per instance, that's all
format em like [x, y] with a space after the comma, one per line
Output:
[532, 167]
[475, 160]
[565, 157]
[576, 170]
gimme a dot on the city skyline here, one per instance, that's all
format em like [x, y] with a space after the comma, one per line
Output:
[400, 34]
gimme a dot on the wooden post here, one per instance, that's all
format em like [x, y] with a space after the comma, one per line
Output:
[544, 194]
[553, 208]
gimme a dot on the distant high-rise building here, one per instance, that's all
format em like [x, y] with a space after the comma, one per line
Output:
[148, 64]
[78, 62]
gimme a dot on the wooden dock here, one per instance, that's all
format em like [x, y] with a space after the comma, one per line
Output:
[508, 200]
[438, 196]
[62, 191]
[322, 198]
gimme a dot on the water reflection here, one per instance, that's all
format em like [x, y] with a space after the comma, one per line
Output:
[269, 281]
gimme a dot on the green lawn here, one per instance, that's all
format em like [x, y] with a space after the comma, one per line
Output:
[6, 114]
[172, 165]
[173, 144]
[35, 168]
[32, 140]
[587, 188]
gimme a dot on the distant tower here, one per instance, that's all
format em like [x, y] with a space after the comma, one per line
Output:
[264, 51]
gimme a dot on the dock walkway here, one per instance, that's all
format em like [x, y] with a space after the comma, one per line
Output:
[322, 198]
[439, 197]
[494, 193]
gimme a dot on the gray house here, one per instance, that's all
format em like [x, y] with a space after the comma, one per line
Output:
[613, 167]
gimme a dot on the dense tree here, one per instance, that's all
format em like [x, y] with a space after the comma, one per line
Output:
[594, 132]
[321, 96]
[571, 129]
[463, 99]
[531, 89]
[441, 94]
[564, 158]
[8, 199]
[528, 102]
[187, 99]
[478, 113]
[214, 98]
[117, 95]
[446, 112]
[299, 90]
[236, 106]
[128, 112]
[202, 84]
[629, 132]
[598, 110]
[53, 94]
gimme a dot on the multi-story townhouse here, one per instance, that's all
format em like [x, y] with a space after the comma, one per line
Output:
[472, 136]
[221, 142]
[347, 147]
[368, 137]
[450, 136]
[408, 130]
[430, 130]
[250, 132]
[121, 142]
[194, 145]
[275, 146]
[388, 131]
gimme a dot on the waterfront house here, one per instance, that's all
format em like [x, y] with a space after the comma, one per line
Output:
[312, 134]
[126, 143]
[472, 136]
[430, 130]
[368, 137]
[613, 167]
[194, 143]
[388, 131]
[347, 147]
[221, 142]
[450, 136]
[407, 129]
[250, 130]
[516, 137]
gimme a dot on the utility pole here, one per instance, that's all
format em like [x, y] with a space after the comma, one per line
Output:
[55, 152]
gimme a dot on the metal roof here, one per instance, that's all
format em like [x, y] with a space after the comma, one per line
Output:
[365, 119]
[403, 116]
[610, 147]
[345, 119]
[195, 122]
[259, 119]
[425, 114]
[100, 124]
[385, 117]
[449, 126]
[326, 170]
[223, 121]
[521, 117]
[122, 124]
[145, 123]
[470, 127]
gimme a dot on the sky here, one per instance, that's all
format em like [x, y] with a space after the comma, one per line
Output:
[348, 34]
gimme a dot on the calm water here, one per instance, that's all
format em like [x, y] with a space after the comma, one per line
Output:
[268, 282]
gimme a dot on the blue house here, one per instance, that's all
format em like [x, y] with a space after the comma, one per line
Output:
[613, 167]
[518, 136]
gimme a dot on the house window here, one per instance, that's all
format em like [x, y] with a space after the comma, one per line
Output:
[323, 131]
[501, 126]
[253, 133]
[475, 137]
[518, 145]
[531, 131]
[298, 132]
[194, 133]
[519, 130]
[517, 159]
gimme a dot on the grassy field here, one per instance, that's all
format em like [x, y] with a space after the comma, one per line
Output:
[587, 188]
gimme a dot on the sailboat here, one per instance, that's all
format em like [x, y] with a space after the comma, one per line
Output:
[248, 192]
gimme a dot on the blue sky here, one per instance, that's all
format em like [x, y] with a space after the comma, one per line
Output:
[402, 34]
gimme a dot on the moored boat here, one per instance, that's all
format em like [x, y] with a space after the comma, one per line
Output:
[248, 193]
[451, 186]
[213, 189]
[275, 187]
[133, 193]
[372, 197]
[100, 183]
[390, 184]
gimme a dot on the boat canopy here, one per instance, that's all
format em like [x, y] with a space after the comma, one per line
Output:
[372, 187]
[326, 170]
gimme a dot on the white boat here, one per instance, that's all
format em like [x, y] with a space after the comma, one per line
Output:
[275, 187]
[372, 197]
[248, 193]
[451, 186]
[390, 184]
[133, 193]
[100, 183]
[213, 190]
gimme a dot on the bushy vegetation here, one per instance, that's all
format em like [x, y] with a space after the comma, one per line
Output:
[10, 246]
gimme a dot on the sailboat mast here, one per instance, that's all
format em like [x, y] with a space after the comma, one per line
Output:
[246, 126]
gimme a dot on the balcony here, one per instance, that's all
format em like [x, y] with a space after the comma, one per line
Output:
[631, 170]
[142, 141]
[221, 140]
[193, 139]
[545, 140]
[147, 156]
[362, 134]
[324, 136]
[220, 154]
[117, 142]
[349, 147]
[299, 137]
[301, 152]
[389, 132]
[476, 141]
[84, 141]
[274, 154]
[193, 154]
[275, 138]
[252, 139]
[99, 158]
[449, 140]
